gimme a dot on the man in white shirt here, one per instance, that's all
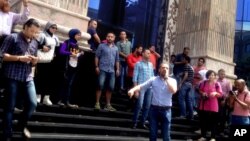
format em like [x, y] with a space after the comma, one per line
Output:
[203, 74]
[8, 19]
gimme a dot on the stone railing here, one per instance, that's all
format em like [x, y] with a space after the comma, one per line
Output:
[76, 6]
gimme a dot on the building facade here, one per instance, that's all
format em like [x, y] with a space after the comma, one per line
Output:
[242, 40]
[206, 26]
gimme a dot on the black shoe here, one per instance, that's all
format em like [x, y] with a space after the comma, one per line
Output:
[6, 139]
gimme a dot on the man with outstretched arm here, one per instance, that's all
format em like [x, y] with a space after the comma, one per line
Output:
[163, 87]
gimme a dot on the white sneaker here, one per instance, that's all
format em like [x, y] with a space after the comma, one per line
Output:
[212, 139]
[17, 110]
[198, 131]
[26, 133]
[202, 139]
[47, 101]
[38, 98]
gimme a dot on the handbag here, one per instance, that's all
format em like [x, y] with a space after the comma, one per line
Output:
[45, 57]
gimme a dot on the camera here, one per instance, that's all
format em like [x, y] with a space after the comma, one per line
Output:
[232, 92]
[205, 97]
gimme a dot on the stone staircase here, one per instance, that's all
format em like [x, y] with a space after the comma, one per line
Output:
[54, 123]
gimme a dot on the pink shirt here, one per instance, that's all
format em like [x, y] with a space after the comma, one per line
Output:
[225, 86]
[211, 104]
[238, 109]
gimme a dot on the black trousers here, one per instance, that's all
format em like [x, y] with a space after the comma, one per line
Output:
[208, 121]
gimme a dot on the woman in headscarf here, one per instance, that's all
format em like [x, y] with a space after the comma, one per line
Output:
[70, 49]
[48, 41]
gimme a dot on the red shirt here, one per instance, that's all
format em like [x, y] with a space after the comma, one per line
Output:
[131, 61]
[153, 59]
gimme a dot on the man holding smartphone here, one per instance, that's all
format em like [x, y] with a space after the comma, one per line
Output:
[19, 53]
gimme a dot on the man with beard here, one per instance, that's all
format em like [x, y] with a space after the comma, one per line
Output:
[19, 54]
[107, 58]
[163, 87]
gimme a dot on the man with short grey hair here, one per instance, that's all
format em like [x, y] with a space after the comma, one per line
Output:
[163, 88]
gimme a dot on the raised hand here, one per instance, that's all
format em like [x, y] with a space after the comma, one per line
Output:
[25, 3]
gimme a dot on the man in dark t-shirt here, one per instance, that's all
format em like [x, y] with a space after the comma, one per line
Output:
[179, 64]
[94, 41]
[185, 86]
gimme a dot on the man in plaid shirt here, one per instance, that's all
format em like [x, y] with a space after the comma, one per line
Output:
[19, 54]
[142, 72]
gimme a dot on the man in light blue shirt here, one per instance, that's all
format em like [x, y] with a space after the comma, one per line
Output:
[106, 60]
[163, 87]
[143, 71]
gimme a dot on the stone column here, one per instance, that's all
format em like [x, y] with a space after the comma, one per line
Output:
[66, 13]
[208, 28]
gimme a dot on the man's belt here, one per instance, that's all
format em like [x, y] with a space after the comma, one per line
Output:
[161, 107]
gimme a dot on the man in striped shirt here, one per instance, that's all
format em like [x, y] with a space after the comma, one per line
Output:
[142, 72]
[185, 86]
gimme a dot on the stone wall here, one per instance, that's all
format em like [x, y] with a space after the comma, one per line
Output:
[207, 27]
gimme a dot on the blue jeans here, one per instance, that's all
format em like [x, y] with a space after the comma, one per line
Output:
[185, 99]
[30, 103]
[106, 76]
[178, 78]
[162, 116]
[123, 70]
[144, 101]
[239, 120]
[195, 97]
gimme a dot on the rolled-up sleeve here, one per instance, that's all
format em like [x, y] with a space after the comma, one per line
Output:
[147, 84]
[21, 18]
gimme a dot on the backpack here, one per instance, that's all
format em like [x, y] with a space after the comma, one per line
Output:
[61, 61]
